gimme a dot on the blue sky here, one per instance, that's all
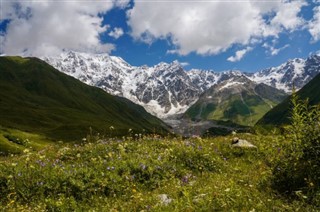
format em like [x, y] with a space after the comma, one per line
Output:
[215, 34]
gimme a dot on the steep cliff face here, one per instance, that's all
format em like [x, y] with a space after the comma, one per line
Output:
[167, 89]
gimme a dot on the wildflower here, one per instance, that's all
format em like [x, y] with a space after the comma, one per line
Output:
[78, 155]
[13, 164]
[26, 151]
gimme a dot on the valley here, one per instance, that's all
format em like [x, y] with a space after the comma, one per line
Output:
[64, 142]
[152, 105]
[168, 91]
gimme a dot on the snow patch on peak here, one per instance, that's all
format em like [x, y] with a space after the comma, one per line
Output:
[298, 67]
[164, 89]
[297, 72]
[167, 89]
[230, 84]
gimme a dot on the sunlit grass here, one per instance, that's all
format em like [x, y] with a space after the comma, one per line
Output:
[15, 141]
[149, 173]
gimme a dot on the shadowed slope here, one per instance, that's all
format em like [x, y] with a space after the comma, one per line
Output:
[36, 97]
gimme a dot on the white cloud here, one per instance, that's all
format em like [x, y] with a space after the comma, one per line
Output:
[46, 27]
[116, 33]
[209, 28]
[273, 50]
[314, 25]
[184, 63]
[239, 55]
[287, 15]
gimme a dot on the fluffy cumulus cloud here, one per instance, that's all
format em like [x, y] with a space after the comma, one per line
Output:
[211, 27]
[116, 33]
[47, 27]
[314, 25]
[239, 55]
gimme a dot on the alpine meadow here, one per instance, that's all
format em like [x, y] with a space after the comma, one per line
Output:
[130, 105]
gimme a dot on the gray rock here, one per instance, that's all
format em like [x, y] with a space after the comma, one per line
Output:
[241, 143]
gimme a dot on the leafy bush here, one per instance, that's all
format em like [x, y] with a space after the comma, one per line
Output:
[297, 173]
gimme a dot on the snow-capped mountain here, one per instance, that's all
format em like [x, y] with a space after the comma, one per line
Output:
[167, 89]
[164, 89]
[296, 72]
[204, 79]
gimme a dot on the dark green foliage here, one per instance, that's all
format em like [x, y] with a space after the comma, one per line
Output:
[15, 139]
[298, 172]
[223, 131]
[280, 114]
[193, 111]
[36, 97]
[207, 110]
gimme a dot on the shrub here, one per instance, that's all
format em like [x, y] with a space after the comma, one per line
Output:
[297, 173]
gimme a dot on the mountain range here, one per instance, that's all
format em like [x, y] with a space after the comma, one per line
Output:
[167, 90]
[280, 114]
[237, 99]
[35, 97]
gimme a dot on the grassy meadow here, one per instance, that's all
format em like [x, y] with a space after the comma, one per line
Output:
[146, 173]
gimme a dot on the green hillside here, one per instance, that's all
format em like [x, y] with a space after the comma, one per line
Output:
[242, 104]
[35, 97]
[280, 114]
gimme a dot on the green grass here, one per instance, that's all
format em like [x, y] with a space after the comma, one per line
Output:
[131, 175]
[244, 108]
[37, 98]
[14, 141]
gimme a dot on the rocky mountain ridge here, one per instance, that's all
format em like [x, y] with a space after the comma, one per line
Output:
[166, 89]
[237, 99]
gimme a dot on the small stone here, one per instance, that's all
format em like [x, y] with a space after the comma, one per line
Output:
[164, 199]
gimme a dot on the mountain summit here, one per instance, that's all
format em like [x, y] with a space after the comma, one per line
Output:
[166, 89]
[296, 72]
